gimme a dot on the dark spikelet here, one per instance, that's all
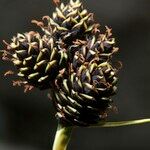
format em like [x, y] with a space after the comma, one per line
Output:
[69, 22]
[72, 58]
[36, 59]
[96, 47]
[85, 95]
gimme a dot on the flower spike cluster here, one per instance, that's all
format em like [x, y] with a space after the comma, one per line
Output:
[73, 59]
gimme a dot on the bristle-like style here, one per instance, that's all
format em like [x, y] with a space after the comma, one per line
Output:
[72, 58]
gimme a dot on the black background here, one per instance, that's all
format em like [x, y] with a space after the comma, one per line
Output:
[27, 121]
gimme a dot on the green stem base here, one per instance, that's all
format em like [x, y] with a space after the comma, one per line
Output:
[62, 137]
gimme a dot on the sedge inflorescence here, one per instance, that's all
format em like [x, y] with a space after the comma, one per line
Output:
[72, 58]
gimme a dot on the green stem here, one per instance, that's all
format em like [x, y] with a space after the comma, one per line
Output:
[62, 137]
[122, 123]
[63, 133]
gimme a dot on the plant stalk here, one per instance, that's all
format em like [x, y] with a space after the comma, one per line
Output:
[62, 137]
[122, 123]
[63, 133]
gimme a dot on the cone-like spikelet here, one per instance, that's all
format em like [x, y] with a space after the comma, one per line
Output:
[96, 47]
[83, 97]
[37, 60]
[69, 22]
